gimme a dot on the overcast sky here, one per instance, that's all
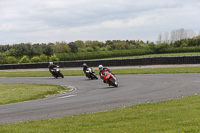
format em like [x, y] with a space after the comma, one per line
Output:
[44, 21]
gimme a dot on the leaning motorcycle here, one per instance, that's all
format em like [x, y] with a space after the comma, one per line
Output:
[56, 72]
[90, 74]
[110, 79]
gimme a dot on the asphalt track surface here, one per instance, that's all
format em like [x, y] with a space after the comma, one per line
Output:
[94, 96]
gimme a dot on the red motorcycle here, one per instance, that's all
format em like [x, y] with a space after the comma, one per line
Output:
[110, 79]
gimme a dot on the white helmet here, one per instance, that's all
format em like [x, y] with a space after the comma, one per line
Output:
[50, 63]
[100, 67]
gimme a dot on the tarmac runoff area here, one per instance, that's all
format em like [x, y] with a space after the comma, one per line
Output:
[111, 67]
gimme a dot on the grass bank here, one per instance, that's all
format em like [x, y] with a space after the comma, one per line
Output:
[116, 71]
[173, 116]
[12, 93]
[153, 55]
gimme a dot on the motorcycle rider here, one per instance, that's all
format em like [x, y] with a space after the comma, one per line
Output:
[87, 69]
[109, 79]
[51, 67]
[102, 70]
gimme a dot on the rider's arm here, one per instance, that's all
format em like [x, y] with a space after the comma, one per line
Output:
[110, 71]
[100, 75]
[87, 70]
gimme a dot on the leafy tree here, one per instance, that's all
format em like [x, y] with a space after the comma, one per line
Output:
[89, 49]
[4, 48]
[47, 50]
[24, 59]
[37, 49]
[74, 47]
[108, 42]
[79, 44]
[23, 49]
[11, 52]
[62, 47]
[120, 45]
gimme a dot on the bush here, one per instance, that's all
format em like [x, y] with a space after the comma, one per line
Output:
[54, 58]
[35, 59]
[43, 58]
[24, 59]
[11, 60]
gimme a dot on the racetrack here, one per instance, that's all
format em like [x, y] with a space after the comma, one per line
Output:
[94, 95]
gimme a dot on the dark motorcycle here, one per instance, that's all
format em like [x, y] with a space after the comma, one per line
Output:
[56, 72]
[90, 74]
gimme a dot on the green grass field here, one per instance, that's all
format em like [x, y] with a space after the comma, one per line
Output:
[12, 93]
[116, 71]
[172, 116]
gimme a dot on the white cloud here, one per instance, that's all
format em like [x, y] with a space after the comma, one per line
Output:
[67, 20]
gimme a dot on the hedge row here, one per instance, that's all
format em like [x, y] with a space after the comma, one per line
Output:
[102, 54]
[123, 53]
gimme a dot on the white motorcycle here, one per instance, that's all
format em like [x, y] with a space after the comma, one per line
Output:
[56, 72]
[90, 74]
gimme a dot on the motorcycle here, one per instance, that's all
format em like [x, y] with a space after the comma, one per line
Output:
[56, 72]
[90, 74]
[110, 79]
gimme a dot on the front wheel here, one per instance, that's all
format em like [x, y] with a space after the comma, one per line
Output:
[61, 75]
[114, 83]
[95, 77]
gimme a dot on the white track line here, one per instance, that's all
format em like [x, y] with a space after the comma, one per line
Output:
[66, 96]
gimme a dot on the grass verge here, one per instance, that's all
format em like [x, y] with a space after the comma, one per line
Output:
[116, 71]
[172, 116]
[12, 93]
[153, 55]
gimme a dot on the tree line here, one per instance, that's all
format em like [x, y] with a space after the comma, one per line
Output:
[80, 50]
[176, 35]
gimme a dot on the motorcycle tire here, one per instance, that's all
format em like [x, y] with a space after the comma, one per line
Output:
[61, 75]
[113, 83]
[95, 77]
[55, 76]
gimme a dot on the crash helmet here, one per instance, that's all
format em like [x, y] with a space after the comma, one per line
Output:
[104, 73]
[100, 67]
[84, 64]
[50, 63]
